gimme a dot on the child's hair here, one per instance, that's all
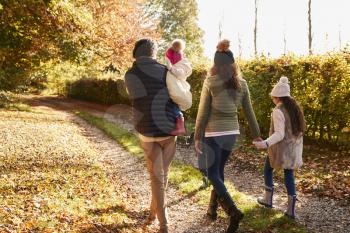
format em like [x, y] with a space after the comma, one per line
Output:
[295, 113]
[178, 45]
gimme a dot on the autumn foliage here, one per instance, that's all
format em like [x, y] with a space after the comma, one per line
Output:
[84, 33]
[117, 26]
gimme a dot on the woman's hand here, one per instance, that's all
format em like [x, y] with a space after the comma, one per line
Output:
[261, 144]
[198, 147]
[258, 139]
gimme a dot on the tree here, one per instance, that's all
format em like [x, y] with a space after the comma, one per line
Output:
[284, 38]
[178, 19]
[339, 37]
[35, 31]
[220, 31]
[310, 28]
[239, 46]
[256, 28]
[117, 25]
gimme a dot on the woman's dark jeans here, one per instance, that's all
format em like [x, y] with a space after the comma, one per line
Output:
[216, 151]
[289, 180]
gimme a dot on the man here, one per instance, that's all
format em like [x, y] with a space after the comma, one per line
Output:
[153, 120]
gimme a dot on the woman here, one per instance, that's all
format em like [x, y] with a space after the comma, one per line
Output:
[217, 126]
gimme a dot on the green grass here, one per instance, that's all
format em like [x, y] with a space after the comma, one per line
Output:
[18, 107]
[189, 181]
[10, 101]
[125, 138]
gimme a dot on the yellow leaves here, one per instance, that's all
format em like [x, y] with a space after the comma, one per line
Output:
[49, 175]
[30, 224]
[62, 217]
[117, 25]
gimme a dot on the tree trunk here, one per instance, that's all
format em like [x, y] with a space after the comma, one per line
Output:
[256, 28]
[239, 46]
[284, 44]
[220, 31]
[310, 28]
[315, 126]
[329, 132]
[339, 38]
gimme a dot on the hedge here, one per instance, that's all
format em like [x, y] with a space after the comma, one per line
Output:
[320, 83]
[106, 91]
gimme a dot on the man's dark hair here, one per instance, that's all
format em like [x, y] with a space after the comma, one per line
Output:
[144, 47]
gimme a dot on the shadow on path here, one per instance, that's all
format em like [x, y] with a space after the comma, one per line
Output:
[138, 220]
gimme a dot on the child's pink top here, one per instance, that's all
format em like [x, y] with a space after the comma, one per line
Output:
[173, 56]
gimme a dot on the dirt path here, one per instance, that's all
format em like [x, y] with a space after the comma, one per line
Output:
[185, 214]
[318, 215]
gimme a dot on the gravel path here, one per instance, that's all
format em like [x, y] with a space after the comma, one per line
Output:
[318, 215]
[184, 213]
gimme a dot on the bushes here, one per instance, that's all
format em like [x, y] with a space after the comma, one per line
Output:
[196, 80]
[55, 75]
[5, 99]
[321, 84]
[106, 91]
[85, 82]
[113, 91]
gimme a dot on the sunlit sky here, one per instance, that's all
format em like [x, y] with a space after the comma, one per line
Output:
[275, 18]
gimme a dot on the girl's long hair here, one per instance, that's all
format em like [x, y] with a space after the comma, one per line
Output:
[296, 115]
[230, 73]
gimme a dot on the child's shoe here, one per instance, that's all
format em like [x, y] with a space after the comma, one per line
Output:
[180, 129]
[291, 206]
[267, 199]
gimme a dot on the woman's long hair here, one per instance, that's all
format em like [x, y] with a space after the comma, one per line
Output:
[296, 115]
[230, 73]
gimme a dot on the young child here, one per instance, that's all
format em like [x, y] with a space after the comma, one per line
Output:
[179, 89]
[285, 144]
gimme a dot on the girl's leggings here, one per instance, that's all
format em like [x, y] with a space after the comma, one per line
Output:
[289, 180]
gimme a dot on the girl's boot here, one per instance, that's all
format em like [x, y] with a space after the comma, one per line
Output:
[231, 209]
[213, 206]
[267, 199]
[291, 206]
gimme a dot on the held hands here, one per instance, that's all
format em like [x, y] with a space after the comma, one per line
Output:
[260, 144]
[258, 139]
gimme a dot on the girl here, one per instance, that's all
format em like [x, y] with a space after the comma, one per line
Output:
[285, 144]
[179, 89]
[217, 127]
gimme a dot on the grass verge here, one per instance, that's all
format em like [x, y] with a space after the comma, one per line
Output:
[12, 102]
[189, 180]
